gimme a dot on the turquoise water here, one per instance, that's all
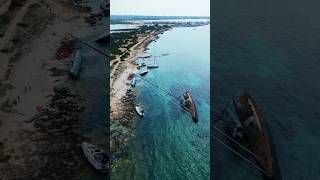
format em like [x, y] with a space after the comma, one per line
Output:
[167, 143]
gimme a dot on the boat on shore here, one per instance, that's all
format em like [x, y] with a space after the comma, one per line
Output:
[133, 82]
[253, 134]
[96, 156]
[139, 110]
[76, 64]
[189, 105]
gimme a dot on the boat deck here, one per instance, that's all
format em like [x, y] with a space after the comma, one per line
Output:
[192, 108]
[261, 146]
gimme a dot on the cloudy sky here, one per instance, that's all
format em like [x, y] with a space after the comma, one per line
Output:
[161, 7]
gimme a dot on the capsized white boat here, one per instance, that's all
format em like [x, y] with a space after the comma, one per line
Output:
[96, 156]
[140, 111]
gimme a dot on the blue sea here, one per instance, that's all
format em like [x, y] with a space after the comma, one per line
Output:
[270, 48]
[167, 144]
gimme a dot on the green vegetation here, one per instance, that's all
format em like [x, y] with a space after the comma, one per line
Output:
[129, 38]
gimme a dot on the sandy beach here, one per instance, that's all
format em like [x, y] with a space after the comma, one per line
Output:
[38, 115]
[120, 71]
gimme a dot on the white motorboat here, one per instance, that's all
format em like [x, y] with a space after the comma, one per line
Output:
[140, 111]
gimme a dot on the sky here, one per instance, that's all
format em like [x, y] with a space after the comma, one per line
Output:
[161, 7]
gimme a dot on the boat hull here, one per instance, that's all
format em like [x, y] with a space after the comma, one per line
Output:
[88, 150]
[143, 73]
[259, 144]
[139, 111]
[190, 106]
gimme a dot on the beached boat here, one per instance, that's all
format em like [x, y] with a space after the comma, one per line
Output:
[96, 156]
[75, 66]
[143, 71]
[189, 105]
[139, 110]
[133, 82]
[253, 133]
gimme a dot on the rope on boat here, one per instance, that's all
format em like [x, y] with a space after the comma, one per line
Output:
[221, 116]
[170, 94]
[234, 141]
[177, 104]
[90, 46]
[230, 138]
[237, 153]
[218, 130]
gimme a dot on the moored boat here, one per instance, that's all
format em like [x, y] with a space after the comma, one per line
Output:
[152, 64]
[96, 156]
[140, 111]
[143, 71]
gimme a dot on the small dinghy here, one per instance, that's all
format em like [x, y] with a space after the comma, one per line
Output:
[140, 111]
[96, 156]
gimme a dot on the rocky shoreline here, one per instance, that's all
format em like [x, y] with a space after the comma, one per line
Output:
[122, 121]
[121, 128]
